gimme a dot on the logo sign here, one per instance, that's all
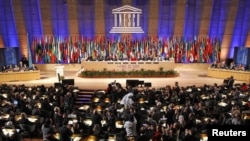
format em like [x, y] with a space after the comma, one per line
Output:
[126, 20]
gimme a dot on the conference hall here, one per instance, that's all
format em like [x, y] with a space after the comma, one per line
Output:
[124, 70]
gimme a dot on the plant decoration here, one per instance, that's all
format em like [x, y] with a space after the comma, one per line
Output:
[128, 74]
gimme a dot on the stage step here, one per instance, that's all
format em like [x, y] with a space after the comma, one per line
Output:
[84, 97]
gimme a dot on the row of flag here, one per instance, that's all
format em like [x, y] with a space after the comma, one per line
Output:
[57, 49]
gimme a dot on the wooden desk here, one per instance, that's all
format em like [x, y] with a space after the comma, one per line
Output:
[19, 76]
[127, 65]
[74, 137]
[31, 118]
[223, 74]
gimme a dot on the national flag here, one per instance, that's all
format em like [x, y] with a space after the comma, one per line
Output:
[59, 49]
[29, 52]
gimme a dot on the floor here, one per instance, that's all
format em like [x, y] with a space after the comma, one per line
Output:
[187, 77]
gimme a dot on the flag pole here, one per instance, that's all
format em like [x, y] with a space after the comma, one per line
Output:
[29, 52]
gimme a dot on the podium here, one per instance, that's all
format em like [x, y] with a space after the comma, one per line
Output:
[59, 70]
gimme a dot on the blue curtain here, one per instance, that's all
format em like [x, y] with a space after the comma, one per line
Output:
[166, 18]
[7, 24]
[144, 6]
[109, 19]
[60, 18]
[241, 26]
[86, 17]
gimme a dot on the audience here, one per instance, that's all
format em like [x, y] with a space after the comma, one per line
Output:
[18, 68]
[23, 65]
[231, 66]
[48, 131]
[24, 119]
[175, 113]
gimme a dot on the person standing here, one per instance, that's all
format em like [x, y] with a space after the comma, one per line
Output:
[48, 131]
[230, 82]
[65, 132]
[25, 61]
[130, 126]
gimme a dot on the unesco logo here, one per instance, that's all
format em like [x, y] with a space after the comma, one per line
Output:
[126, 20]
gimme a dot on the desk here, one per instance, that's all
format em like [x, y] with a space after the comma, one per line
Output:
[127, 65]
[8, 132]
[19, 76]
[4, 117]
[84, 107]
[223, 74]
[31, 118]
[74, 137]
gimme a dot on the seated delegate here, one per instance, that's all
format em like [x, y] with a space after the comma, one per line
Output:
[4, 68]
[33, 67]
[24, 68]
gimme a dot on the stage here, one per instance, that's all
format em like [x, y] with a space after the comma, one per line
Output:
[190, 74]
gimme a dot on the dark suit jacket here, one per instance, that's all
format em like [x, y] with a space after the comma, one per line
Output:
[65, 133]
[24, 121]
[230, 82]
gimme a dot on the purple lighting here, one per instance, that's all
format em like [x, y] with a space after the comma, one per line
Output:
[241, 27]
[144, 6]
[218, 18]
[109, 23]
[86, 17]
[60, 18]
[7, 24]
[192, 18]
[166, 18]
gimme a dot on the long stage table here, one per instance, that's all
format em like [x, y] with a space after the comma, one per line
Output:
[224, 73]
[19, 76]
[127, 65]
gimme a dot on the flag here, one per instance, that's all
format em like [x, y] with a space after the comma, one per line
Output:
[29, 52]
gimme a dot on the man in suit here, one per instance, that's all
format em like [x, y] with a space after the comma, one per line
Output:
[230, 82]
[24, 60]
[65, 132]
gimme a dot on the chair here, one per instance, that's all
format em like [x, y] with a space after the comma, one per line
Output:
[24, 127]
[27, 130]
[32, 128]
[24, 130]
[210, 105]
